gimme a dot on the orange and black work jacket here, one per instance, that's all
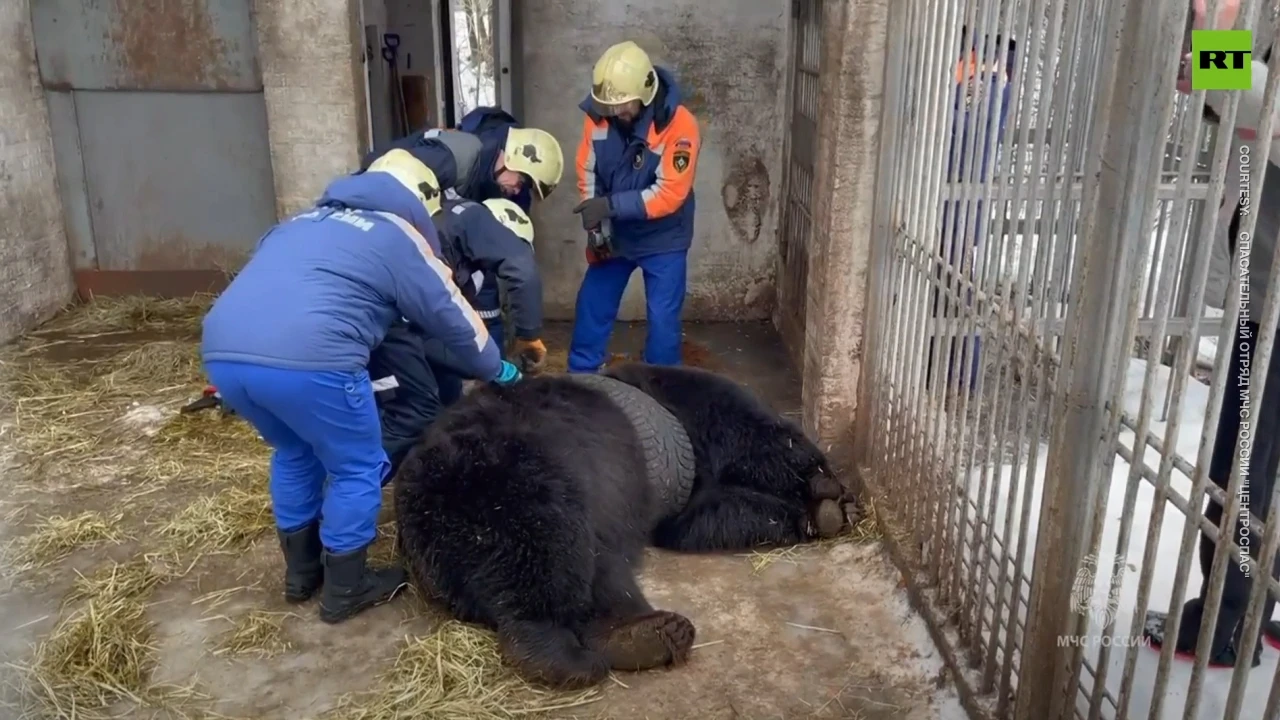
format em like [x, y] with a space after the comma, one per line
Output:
[646, 172]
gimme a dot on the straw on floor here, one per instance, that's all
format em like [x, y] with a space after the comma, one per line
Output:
[69, 392]
[69, 399]
[456, 673]
[71, 395]
[259, 633]
[54, 538]
[865, 530]
[98, 659]
[65, 388]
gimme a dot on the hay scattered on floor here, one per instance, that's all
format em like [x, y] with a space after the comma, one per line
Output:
[258, 633]
[155, 367]
[97, 658]
[57, 414]
[866, 530]
[98, 655]
[130, 580]
[57, 537]
[65, 387]
[232, 517]
[132, 313]
[455, 673]
[206, 449]
[225, 455]
[384, 551]
[222, 596]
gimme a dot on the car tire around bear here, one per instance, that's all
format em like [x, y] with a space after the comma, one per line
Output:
[669, 459]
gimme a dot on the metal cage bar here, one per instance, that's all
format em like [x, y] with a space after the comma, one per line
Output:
[1036, 370]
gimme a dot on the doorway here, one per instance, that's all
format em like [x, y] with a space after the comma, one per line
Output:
[430, 63]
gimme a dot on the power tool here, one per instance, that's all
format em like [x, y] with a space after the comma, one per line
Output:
[598, 244]
[209, 399]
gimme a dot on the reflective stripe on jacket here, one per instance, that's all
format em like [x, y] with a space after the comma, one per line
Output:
[647, 172]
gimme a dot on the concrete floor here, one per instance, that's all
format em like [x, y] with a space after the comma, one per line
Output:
[825, 633]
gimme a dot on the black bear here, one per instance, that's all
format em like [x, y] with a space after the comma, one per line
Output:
[527, 510]
[759, 480]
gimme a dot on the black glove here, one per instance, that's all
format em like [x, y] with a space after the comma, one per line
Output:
[593, 212]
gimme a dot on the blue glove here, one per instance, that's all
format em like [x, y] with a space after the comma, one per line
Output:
[510, 375]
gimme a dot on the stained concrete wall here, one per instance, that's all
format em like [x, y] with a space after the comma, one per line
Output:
[35, 266]
[730, 58]
[313, 81]
[850, 100]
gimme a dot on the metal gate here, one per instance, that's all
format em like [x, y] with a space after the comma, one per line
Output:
[797, 216]
[160, 136]
[1042, 435]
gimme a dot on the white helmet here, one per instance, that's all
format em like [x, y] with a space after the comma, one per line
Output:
[411, 173]
[512, 216]
[623, 74]
[537, 154]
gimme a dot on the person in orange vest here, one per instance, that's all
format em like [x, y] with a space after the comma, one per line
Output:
[636, 163]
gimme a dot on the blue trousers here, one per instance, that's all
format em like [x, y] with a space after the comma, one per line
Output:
[597, 309]
[319, 423]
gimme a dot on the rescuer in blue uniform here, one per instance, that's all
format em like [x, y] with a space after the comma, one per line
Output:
[529, 159]
[287, 344]
[516, 162]
[491, 124]
[417, 376]
[636, 164]
[488, 157]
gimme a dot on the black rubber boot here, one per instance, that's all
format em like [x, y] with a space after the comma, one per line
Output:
[351, 586]
[303, 573]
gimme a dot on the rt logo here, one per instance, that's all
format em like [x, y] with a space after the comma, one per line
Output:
[1220, 59]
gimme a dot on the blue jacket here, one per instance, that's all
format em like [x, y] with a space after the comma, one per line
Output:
[323, 287]
[646, 171]
[472, 240]
[491, 124]
[461, 161]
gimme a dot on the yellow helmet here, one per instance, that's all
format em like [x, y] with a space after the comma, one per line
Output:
[537, 154]
[622, 74]
[411, 173]
[512, 216]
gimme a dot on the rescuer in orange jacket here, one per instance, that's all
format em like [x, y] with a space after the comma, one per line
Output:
[636, 165]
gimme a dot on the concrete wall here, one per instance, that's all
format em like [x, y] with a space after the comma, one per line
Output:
[35, 266]
[313, 80]
[730, 57]
[850, 100]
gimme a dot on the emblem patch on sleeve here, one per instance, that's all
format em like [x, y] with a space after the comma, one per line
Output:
[680, 160]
